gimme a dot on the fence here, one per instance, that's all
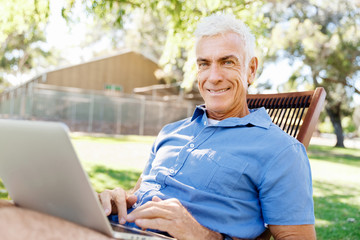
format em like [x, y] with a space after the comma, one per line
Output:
[92, 111]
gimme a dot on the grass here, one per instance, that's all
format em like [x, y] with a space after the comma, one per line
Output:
[3, 192]
[347, 156]
[118, 139]
[336, 182]
[103, 177]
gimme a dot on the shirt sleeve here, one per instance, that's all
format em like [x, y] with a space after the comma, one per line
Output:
[147, 167]
[285, 191]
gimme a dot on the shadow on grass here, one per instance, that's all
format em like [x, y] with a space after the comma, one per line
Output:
[103, 177]
[346, 156]
[336, 216]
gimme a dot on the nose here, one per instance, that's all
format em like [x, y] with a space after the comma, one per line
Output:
[215, 74]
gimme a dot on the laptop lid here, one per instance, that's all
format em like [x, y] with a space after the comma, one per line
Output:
[41, 171]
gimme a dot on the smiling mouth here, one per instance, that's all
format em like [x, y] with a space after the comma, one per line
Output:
[218, 91]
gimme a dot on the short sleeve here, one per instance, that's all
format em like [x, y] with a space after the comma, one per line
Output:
[285, 191]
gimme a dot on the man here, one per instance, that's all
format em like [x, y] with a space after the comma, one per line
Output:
[226, 172]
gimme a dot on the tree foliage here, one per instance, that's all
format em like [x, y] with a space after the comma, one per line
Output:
[21, 32]
[169, 25]
[325, 37]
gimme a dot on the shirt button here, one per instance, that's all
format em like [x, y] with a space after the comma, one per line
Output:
[192, 145]
[205, 123]
[171, 171]
[157, 187]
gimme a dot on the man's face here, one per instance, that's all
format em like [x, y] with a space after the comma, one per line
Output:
[222, 75]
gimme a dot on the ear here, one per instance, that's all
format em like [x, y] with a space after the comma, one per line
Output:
[252, 68]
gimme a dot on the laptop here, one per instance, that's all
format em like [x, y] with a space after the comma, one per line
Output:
[41, 171]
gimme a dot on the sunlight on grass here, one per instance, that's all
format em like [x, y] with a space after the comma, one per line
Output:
[130, 152]
[322, 223]
[348, 156]
[336, 185]
[118, 139]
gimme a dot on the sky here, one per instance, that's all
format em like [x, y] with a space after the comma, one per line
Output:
[58, 34]
[66, 40]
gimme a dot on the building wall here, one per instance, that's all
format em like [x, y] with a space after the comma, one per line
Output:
[127, 71]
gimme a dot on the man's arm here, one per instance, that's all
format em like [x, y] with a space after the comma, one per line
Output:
[286, 194]
[306, 232]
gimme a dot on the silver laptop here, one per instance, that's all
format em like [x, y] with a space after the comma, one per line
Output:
[40, 170]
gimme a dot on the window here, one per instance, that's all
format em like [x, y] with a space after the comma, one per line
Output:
[112, 87]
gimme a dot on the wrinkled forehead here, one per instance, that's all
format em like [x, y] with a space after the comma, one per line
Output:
[219, 45]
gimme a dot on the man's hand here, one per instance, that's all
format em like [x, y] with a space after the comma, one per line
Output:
[172, 217]
[117, 201]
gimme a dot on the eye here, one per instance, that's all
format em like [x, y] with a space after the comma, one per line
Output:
[203, 64]
[228, 63]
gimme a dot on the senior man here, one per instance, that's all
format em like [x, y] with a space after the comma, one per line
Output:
[227, 172]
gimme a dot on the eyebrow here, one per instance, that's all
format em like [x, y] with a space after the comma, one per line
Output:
[229, 57]
[202, 60]
[220, 59]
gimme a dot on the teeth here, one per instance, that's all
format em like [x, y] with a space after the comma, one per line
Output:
[218, 91]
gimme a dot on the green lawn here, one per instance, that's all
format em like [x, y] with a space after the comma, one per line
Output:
[336, 180]
[103, 177]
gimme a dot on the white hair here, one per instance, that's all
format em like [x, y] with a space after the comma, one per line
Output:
[219, 24]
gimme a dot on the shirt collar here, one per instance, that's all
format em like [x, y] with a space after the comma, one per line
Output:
[257, 117]
[199, 111]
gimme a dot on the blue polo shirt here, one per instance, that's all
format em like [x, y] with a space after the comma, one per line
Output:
[233, 177]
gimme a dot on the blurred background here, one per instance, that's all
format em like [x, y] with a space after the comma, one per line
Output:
[114, 66]
[116, 71]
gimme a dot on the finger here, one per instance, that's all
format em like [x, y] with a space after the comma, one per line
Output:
[150, 210]
[156, 199]
[119, 198]
[131, 200]
[170, 205]
[105, 200]
[155, 223]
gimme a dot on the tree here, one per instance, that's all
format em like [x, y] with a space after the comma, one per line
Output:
[21, 34]
[325, 37]
[175, 23]
[356, 119]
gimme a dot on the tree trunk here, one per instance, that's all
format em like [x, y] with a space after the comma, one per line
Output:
[334, 114]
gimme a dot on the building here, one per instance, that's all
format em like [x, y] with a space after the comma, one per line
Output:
[98, 97]
[121, 72]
